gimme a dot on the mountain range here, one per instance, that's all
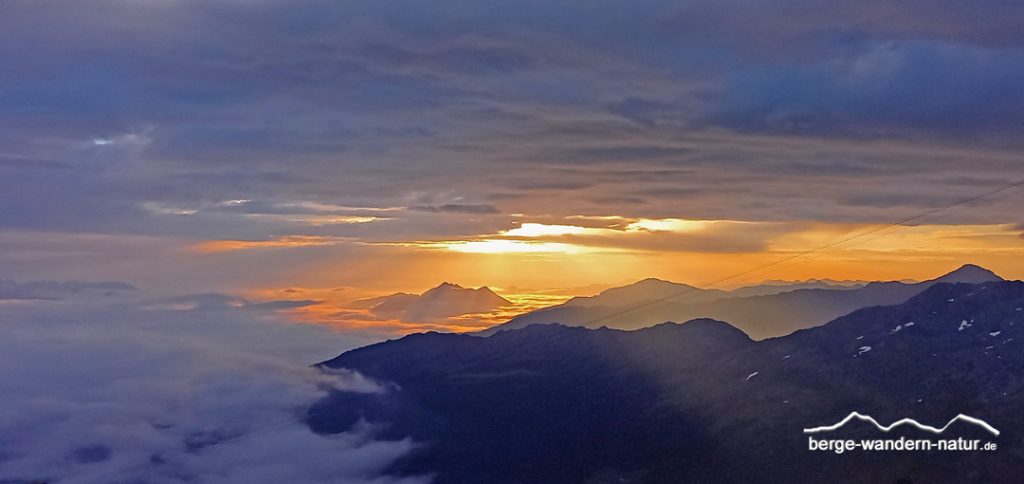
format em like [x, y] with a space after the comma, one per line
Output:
[761, 311]
[702, 401]
[443, 301]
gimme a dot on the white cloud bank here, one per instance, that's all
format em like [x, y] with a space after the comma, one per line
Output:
[92, 394]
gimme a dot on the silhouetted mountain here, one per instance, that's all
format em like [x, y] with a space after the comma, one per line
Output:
[971, 274]
[647, 290]
[777, 287]
[701, 402]
[760, 316]
[443, 301]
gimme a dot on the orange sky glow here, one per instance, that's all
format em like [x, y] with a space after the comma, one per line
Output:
[536, 265]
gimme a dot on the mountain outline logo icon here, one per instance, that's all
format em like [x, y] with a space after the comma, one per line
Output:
[905, 421]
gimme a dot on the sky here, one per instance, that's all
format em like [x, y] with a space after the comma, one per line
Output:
[328, 151]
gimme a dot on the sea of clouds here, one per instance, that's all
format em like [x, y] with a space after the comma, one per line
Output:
[125, 392]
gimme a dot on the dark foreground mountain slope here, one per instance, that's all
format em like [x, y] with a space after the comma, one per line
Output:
[701, 402]
[488, 404]
[760, 316]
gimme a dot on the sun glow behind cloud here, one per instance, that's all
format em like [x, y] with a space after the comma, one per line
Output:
[619, 234]
[672, 225]
[531, 229]
[502, 246]
[511, 241]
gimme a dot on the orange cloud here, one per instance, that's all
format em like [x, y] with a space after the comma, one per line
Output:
[216, 246]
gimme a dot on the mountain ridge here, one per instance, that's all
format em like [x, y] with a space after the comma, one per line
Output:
[689, 402]
[759, 315]
[442, 301]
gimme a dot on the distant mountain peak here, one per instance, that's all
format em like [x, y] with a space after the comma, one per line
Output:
[443, 301]
[970, 273]
[448, 285]
[642, 291]
[449, 289]
[654, 280]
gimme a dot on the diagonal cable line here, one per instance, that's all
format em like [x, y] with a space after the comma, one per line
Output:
[851, 238]
[878, 235]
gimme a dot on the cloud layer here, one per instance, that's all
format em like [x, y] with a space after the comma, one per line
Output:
[110, 394]
[249, 120]
[190, 148]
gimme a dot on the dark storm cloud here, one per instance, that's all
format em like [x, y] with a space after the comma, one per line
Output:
[144, 118]
[920, 87]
